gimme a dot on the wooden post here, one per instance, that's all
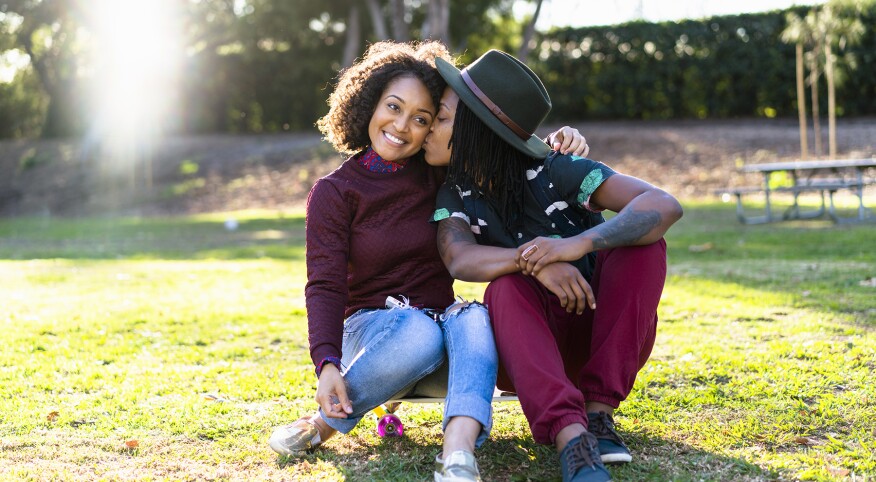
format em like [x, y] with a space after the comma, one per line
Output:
[813, 85]
[801, 104]
[831, 101]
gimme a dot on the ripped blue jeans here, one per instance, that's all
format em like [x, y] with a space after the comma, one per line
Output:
[403, 352]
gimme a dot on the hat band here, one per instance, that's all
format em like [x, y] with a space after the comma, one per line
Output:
[489, 104]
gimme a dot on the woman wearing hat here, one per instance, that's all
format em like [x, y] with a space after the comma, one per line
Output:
[529, 221]
[377, 288]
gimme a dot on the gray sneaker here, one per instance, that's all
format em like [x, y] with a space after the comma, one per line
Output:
[461, 466]
[611, 447]
[299, 436]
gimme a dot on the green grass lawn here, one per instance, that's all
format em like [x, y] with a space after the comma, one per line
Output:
[168, 349]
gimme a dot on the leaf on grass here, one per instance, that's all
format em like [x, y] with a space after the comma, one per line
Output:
[699, 248]
[214, 398]
[52, 416]
[804, 441]
[132, 444]
[838, 471]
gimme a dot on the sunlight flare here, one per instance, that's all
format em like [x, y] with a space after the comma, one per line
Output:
[137, 56]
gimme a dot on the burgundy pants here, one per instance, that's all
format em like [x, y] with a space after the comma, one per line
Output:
[556, 361]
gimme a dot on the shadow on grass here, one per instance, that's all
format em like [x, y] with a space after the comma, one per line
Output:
[521, 459]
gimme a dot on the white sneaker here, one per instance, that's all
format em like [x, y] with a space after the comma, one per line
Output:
[461, 466]
[299, 436]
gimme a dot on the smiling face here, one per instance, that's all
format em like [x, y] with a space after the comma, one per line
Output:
[437, 145]
[401, 119]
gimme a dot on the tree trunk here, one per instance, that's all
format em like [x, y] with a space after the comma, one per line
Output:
[801, 104]
[377, 20]
[354, 33]
[437, 22]
[54, 123]
[831, 101]
[400, 28]
[525, 48]
[813, 87]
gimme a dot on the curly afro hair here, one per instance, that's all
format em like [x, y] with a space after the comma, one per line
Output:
[360, 86]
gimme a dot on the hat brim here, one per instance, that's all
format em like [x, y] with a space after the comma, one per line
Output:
[533, 146]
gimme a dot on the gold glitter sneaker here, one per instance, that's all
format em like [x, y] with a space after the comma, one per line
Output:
[299, 436]
[461, 466]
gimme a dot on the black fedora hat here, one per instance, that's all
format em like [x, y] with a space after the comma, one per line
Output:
[506, 95]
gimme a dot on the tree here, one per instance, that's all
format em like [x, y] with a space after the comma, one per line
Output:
[400, 30]
[376, 18]
[354, 36]
[822, 31]
[525, 47]
[437, 21]
[49, 35]
[836, 31]
[797, 33]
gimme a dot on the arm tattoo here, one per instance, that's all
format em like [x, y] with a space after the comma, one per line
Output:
[625, 229]
[453, 230]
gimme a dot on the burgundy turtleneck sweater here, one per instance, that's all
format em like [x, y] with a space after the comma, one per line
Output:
[369, 237]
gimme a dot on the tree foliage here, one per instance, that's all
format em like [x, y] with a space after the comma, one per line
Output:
[49, 32]
[727, 66]
[267, 65]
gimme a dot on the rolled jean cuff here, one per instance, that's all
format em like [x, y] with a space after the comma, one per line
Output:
[472, 406]
[559, 424]
[343, 425]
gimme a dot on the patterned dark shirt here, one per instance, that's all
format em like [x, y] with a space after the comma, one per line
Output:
[558, 190]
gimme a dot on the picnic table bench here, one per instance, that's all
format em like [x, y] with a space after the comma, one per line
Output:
[822, 177]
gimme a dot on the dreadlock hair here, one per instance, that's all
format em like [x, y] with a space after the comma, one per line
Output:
[480, 157]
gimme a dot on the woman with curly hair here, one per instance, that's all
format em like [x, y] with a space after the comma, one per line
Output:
[377, 289]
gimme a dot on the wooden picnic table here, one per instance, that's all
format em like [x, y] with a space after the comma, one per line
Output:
[825, 177]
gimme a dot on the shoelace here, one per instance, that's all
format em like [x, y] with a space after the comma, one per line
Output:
[602, 426]
[583, 453]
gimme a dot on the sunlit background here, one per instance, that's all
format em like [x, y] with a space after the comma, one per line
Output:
[137, 55]
[121, 78]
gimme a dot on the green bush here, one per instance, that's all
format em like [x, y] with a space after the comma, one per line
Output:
[727, 66]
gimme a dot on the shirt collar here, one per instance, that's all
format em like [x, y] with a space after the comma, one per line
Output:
[373, 162]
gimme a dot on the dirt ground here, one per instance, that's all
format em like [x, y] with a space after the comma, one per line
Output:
[209, 173]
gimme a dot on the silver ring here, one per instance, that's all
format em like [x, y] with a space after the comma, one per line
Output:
[528, 252]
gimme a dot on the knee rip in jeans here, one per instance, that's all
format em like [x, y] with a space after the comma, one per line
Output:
[460, 307]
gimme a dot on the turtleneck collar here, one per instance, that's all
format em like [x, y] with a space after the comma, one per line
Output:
[373, 162]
